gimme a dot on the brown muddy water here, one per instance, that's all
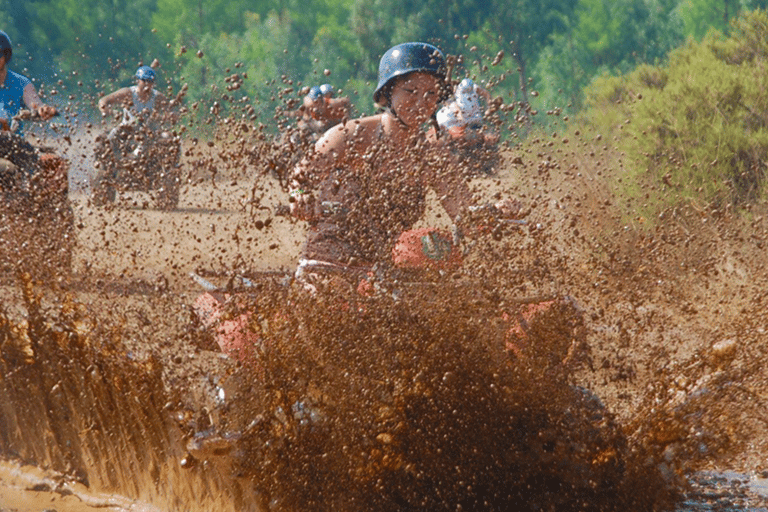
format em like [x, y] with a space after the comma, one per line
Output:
[112, 397]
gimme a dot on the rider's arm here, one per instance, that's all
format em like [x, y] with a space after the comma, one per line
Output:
[453, 191]
[119, 97]
[458, 201]
[336, 149]
[310, 170]
[34, 103]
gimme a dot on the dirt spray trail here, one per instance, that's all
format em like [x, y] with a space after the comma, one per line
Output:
[110, 386]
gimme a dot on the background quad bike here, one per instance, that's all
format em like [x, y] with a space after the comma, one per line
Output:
[134, 158]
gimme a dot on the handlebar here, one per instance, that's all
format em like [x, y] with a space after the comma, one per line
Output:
[23, 115]
[31, 115]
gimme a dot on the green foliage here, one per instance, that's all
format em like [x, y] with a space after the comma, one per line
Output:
[83, 48]
[604, 37]
[696, 128]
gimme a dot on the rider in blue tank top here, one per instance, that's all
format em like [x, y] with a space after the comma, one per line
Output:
[16, 93]
[12, 95]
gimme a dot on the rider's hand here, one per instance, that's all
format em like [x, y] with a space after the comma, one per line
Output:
[46, 112]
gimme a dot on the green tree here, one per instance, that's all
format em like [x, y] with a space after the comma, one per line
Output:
[605, 37]
[695, 129]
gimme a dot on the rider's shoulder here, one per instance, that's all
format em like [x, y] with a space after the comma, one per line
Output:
[14, 79]
[353, 132]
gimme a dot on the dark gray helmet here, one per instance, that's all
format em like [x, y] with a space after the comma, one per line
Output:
[326, 90]
[5, 46]
[406, 58]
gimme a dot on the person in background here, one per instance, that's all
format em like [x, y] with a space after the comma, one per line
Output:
[463, 115]
[142, 100]
[321, 110]
[461, 124]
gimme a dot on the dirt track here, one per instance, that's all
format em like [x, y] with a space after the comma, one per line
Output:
[675, 317]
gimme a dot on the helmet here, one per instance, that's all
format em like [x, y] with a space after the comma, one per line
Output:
[5, 46]
[326, 90]
[406, 58]
[465, 86]
[145, 73]
[315, 92]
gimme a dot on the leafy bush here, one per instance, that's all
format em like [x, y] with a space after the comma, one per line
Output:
[696, 128]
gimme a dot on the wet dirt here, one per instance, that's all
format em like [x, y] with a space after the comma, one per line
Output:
[120, 402]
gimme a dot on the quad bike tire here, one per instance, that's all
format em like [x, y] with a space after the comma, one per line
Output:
[168, 194]
[104, 191]
[103, 184]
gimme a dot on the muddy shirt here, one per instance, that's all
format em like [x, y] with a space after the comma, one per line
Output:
[145, 109]
[362, 208]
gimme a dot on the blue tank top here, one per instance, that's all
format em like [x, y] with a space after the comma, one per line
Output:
[144, 109]
[12, 96]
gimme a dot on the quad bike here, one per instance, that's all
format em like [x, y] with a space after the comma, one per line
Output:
[133, 157]
[322, 371]
[37, 229]
[420, 257]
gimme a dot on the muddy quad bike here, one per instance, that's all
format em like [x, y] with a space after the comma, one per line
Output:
[420, 257]
[37, 228]
[132, 157]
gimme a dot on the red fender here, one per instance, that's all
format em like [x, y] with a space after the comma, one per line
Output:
[233, 335]
[429, 248]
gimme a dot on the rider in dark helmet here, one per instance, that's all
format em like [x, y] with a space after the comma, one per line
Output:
[367, 181]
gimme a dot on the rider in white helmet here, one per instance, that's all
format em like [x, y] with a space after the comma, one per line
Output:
[464, 111]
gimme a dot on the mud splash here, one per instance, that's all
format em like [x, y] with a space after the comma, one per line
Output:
[374, 404]
[354, 404]
[74, 402]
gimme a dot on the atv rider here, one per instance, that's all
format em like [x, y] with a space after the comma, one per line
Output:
[141, 99]
[335, 110]
[321, 111]
[366, 182]
[143, 102]
[460, 123]
[36, 218]
[17, 93]
[141, 140]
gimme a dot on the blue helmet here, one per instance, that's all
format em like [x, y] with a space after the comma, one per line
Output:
[5, 46]
[406, 58]
[315, 93]
[326, 90]
[145, 73]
